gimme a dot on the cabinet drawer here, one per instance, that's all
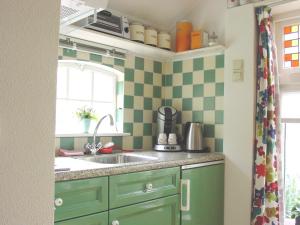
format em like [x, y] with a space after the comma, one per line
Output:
[127, 189]
[163, 211]
[96, 219]
[80, 197]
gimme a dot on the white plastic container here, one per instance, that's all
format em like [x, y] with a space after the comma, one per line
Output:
[151, 36]
[137, 32]
[164, 40]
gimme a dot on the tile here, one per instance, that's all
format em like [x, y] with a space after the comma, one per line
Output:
[157, 79]
[67, 143]
[219, 131]
[128, 128]
[157, 67]
[119, 62]
[148, 65]
[219, 89]
[187, 65]
[147, 143]
[198, 104]
[139, 76]
[187, 78]
[187, 104]
[187, 91]
[128, 115]
[138, 142]
[177, 92]
[219, 116]
[177, 79]
[209, 63]
[128, 142]
[139, 63]
[198, 90]
[130, 61]
[209, 76]
[137, 129]
[220, 61]
[147, 129]
[69, 53]
[209, 117]
[219, 75]
[197, 116]
[148, 103]
[209, 89]
[148, 115]
[118, 141]
[219, 103]
[210, 143]
[138, 89]
[148, 90]
[209, 131]
[138, 102]
[198, 64]
[156, 103]
[177, 67]
[148, 78]
[168, 102]
[107, 60]
[129, 74]
[156, 92]
[128, 101]
[168, 91]
[129, 88]
[186, 116]
[138, 116]
[198, 77]
[177, 103]
[167, 68]
[83, 56]
[168, 81]
[218, 145]
[209, 103]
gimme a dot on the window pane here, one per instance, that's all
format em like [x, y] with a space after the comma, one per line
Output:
[101, 110]
[104, 87]
[291, 46]
[66, 120]
[61, 91]
[289, 105]
[80, 84]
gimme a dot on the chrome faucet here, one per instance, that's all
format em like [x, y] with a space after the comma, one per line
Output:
[94, 147]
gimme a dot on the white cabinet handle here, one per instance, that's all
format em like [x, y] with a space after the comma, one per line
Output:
[186, 183]
[149, 187]
[58, 202]
[115, 222]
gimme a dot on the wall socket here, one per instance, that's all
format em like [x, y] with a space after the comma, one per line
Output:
[238, 70]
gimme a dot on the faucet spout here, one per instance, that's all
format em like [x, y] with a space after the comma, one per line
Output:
[94, 147]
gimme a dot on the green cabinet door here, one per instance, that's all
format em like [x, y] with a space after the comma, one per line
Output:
[203, 195]
[80, 197]
[128, 189]
[96, 219]
[163, 211]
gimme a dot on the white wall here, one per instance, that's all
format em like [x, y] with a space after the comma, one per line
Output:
[209, 15]
[239, 108]
[28, 58]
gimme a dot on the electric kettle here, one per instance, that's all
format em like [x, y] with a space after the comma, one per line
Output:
[194, 137]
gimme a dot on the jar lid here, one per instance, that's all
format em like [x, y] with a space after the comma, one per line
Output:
[164, 32]
[150, 28]
[136, 23]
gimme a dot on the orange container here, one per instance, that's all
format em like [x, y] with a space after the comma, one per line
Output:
[183, 36]
[196, 39]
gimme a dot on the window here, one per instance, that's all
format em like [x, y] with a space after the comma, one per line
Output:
[291, 46]
[83, 84]
[290, 113]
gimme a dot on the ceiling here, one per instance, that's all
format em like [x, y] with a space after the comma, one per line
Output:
[161, 14]
[285, 8]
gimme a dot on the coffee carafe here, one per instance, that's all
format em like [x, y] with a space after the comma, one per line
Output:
[166, 139]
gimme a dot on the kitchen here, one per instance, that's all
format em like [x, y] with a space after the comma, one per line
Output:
[207, 85]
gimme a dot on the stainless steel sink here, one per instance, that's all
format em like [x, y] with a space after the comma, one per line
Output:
[118, 159]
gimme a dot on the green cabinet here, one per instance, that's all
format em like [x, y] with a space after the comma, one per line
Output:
[202, 200]
[163, 211]
[127, 189]
[96, 219]
[80, 197]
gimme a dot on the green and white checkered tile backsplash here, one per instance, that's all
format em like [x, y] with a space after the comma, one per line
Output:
[194, 87]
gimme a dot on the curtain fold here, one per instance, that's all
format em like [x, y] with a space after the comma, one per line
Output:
[266, 207]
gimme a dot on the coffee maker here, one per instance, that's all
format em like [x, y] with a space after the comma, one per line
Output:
[166, 139]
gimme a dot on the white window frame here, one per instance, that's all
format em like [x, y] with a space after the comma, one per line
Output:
[288, 76]
[107, 71]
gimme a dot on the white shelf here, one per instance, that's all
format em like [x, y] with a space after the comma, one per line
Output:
[140, 49]
[82, 135]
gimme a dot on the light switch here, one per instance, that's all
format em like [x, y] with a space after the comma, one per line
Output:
[238, 70]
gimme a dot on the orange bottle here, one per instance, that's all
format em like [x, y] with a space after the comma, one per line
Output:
[183, 35]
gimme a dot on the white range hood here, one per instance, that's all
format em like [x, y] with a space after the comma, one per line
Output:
[72, 11]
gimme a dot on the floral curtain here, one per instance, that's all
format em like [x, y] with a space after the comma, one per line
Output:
[266, 208]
